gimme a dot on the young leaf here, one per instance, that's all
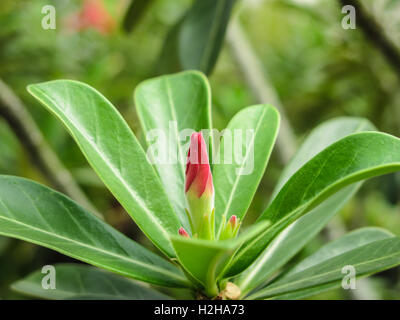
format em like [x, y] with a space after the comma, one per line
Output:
[367, 250]
[236, 180]
[204, 259]
[294, 237]
[166, 106]
[78, 281]
[35, 213]
[114, 153]
[351, 159]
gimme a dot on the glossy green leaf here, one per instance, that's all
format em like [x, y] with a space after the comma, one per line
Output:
[167, 106]
[196, 40]
[368, 250]
[293, 238]
[351, 159]
[114, 153]
[241, 166]
[35, 213]
[308, 292]
[348, 242]
[77, 281]
[321, 137]
[204, 259]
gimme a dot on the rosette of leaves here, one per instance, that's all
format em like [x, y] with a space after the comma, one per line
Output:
[326, 171]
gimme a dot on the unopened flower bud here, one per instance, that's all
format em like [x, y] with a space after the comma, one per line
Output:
[183, 232]
[230, 228]
[233, 221]
[199, 189]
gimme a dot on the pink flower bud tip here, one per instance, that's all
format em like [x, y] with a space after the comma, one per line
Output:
[233, 220]
[198, 173]
[183, 232]
[230, 228]
[199, 189]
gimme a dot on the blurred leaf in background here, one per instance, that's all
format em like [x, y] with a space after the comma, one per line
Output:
[195, 41]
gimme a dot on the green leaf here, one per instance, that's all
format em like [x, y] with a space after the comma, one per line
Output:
[348, 242]
[351, 159]
[238, 175]
[204, 259]
[196, 40]
[166, 106]
[134, 13]
[293, 238]
[202, 33]
[35, 213]
[114, 153]
[77, 281]
[321, 137]
[368, 250]
[312, 291]
[168, 61]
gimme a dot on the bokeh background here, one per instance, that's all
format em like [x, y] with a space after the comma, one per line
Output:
[312, 67]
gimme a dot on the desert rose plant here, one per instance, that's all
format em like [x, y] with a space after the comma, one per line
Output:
[190, 201]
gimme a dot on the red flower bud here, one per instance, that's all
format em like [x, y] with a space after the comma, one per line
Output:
[199, 187]
[183, 232]
[233, 221]
[230, 228]
[198, 173]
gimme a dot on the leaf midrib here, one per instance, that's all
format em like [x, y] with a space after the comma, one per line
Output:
[306, 205]
[106, 161]
[326, 273]
[174, 118]
[71, 294]
[135, 262]
[236, 183]
[363, 124]
[258, 265]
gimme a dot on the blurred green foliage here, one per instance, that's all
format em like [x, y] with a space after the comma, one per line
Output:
[318, 69]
